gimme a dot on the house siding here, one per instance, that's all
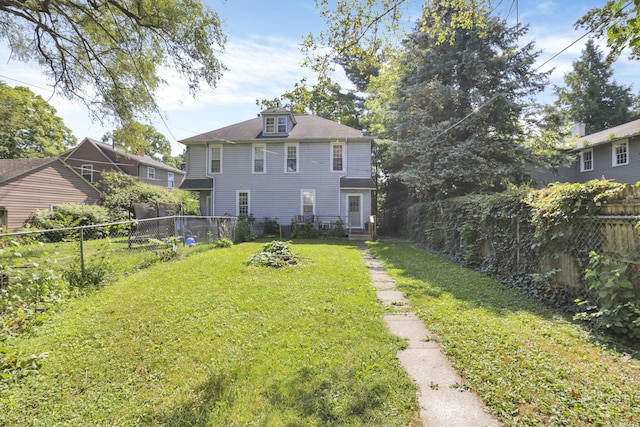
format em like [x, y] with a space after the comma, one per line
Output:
[86, 154]
[603, 168]
[277, 194]
[41, 188]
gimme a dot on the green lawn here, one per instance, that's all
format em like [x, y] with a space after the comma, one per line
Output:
[208, 340]
[530, 364]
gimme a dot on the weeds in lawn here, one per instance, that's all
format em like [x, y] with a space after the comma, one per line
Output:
[529, 363]
[208, 340]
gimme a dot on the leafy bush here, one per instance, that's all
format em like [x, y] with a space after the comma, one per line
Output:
[97, 272]
[242, 230]
[617, 304]
[223, 243]
[271, 227]
[70, 215]
[274, 254]
[120, 190]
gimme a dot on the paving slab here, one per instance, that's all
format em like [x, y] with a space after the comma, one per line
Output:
[444, 399]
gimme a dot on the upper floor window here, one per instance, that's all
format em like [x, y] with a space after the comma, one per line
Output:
[170, 180]
[269, 125]
[282, 125]
[276, 125]
[337, 157]
[620, 153]
[215, 159]
[586, 160]
[259, 160]
[291, 158]
[87, 172]
[151, 172]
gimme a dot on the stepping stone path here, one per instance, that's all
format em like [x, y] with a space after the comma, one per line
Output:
[443, 398]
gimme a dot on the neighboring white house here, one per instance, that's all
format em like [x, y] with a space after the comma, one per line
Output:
[283, 166]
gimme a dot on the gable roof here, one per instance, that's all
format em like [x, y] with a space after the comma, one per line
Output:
[306, 127]
[615, 133]
[143, 159]
[13, 168]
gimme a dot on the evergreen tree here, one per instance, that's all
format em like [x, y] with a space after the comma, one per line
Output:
[460, 96]
[591, 96]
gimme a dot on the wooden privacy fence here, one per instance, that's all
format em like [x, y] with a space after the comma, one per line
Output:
[615, 236]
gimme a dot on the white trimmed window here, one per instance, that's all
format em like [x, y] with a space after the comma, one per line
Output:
[308, 202]
[87, 172]
[282, 125]
[151, 172]
[620, 153]
[215, 159]
[259, 159]
[269, 125]
[586, 160]
[337, 157]
[276, 125]
[243, 206]
[170, 180]
[291, 158]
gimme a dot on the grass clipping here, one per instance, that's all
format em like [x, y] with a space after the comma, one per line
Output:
[274, 254]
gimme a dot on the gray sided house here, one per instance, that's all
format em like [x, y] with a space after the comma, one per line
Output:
[611, 154]
[27, 185]
[91, 157]
[284, 166]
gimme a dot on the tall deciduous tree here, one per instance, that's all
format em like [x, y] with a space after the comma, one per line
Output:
[109, 54]
[135, 137]
[29, 126]
[591, 95]
[325, 99]
[620, 22]
[460, 97]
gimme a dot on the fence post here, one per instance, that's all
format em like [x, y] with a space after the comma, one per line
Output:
[82, 251]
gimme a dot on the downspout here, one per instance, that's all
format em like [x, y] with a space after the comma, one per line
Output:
[213, 179]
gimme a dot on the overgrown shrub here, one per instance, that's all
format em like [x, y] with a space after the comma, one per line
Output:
[242, 230]
[223, 243]
[512, 234]
[274, 254]
[98, 271]
[70, 215]
[271, 227]
[616, 305]
[119, 190]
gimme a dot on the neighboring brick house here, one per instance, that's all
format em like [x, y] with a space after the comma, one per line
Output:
[27, 185]
[91, 157]
[284, 166]
[611, 154]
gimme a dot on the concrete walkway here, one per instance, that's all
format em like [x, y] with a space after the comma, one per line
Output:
[444, 401]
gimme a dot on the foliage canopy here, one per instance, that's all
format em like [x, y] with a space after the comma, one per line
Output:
[460, 94]
[110, 54]
[591, 96]
[30, 127]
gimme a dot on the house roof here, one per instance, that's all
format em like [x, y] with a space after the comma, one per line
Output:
[12, 168]
[307, 127]
[357, 183]
[197, 184]
[622, 131]
[143, 159]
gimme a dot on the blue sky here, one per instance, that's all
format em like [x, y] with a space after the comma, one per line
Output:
[263, 61]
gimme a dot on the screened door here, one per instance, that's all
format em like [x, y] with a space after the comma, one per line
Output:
[354, 202]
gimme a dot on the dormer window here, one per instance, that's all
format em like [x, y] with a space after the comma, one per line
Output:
[282, 125]
[277, 122]
[275, 125]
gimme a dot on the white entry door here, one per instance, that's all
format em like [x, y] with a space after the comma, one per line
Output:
[354, 203]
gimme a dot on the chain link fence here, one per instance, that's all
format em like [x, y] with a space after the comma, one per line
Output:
[33, 262]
